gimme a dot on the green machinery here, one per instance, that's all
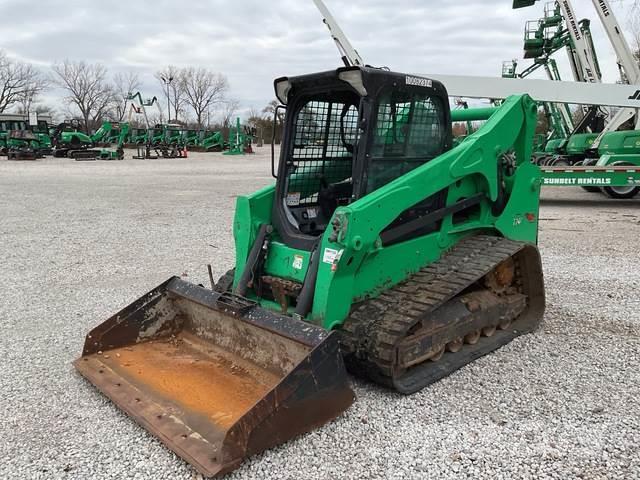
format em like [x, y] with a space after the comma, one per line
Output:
[381, 247]
[212, 141]
[543, 38]
[108, 133]
[466, 115]
[240, 139]
[22, 145]
[138, 136]
[167, 141]
[613, 169]
[151, 138]
[558, 116]
[119, 140]
[67, 138]
[173, 135]
[70, 142]
[113, 136]
[165, 135]
[157, 135]
[45, 145]
[591, 143]
[190, 138]
[237, 142]
[546, 36]
[170, 141]
[11, 139]
[565, 144]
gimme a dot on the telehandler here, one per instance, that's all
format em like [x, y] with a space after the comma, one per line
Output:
[380, 248]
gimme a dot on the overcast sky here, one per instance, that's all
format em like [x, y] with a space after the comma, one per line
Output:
[254, 41]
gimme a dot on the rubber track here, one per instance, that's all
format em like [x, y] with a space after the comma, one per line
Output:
[374, 327]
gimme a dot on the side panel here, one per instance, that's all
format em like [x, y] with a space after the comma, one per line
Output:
[251, 211]
[620, 143]
[616, 171]
[286, 262]
[356, 265]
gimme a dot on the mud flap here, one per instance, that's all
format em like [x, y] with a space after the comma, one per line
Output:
[215, 377]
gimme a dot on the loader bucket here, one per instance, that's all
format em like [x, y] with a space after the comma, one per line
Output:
[215, 377]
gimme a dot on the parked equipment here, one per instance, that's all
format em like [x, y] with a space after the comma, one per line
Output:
[595, 138]
[22, 145]
[614, 170]
[240, 139]
[143, 141]
[167, 141]
[69, 141]
[190, 138]
[37, 124]
[211, 142]
[120, 139]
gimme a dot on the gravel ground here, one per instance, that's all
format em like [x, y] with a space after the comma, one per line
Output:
[81, 240]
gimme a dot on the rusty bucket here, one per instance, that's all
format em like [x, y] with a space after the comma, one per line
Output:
[215, 377]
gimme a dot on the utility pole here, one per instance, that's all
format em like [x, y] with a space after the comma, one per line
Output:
[167, 82]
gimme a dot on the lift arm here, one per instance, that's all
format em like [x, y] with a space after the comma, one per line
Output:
[143, 106]
[618, 40]
[578, 93]
[122, 136]
[587, 62]
[350, 56]
[619, 43]
[501, 88]
[554, 74]
[626, 60]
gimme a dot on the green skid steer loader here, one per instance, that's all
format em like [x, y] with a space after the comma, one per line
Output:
[380, 250]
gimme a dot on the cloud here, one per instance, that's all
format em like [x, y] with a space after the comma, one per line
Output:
[253, 41]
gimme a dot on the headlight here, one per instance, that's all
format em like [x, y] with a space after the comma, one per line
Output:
[282, 90]
[354, 78]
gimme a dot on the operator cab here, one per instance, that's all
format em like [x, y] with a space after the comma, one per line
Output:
[347, 133]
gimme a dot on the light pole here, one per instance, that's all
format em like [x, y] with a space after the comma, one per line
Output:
[167, 81]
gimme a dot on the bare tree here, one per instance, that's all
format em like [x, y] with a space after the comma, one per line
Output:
[256, 119]
[229, 112]
[270, 110]
[35, 87]
[261, 124]
[125, 85]
[254, 114]
[277, 127]
[20, 83]
[172, 89]
[203, 89]
[87, 87]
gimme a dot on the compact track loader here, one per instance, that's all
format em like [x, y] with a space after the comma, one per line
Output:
[380, 250]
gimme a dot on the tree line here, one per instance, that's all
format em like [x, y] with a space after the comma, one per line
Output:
[197, 97]
[266, 123]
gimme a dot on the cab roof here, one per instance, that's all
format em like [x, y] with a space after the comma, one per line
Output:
[365, 81]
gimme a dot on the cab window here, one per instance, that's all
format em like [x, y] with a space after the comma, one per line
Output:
[409, 131]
